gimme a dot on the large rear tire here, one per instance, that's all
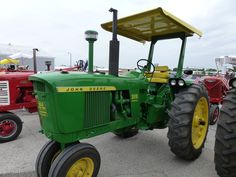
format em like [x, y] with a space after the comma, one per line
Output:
[10, 127]
[189, 121]
[77, 160]
[225, 144]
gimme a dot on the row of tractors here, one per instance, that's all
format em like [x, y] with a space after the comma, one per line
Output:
[74, 106]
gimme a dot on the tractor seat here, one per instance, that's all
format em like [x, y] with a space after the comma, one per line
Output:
[160, 75]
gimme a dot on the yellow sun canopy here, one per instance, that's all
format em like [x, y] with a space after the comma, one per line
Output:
[157, 22]
[9, 61]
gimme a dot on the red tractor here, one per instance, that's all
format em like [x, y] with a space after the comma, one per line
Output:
[16, 92]
[218, 85]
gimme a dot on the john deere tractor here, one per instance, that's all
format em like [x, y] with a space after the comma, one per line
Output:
[74, 106]
[225, 144]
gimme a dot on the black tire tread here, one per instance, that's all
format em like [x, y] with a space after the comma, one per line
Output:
[225, 144]
[44, 158]
[126, 133]
[56, 169]
[180, 123]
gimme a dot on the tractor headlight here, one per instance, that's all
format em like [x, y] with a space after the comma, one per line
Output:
[181, 83]
[232, 83]
[173, 82]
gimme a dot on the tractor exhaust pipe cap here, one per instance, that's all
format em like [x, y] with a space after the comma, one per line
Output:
[114, 46]
[114, 24]
[34, 59]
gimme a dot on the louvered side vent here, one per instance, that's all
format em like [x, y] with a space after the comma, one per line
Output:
[4, 93]
[97, 108]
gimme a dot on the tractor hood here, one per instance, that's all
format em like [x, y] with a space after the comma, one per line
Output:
[84, 82]
[14, 75]
[67, 97]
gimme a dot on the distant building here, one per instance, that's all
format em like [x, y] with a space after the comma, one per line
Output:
[122, 71]
[27, 54]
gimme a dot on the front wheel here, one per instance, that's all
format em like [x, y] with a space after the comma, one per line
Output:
[82, 160]
[214, 114]
[10, 127]
[45, 158]
[189, 121]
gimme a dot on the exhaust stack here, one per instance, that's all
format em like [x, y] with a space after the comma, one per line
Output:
[114, 47]
[34, 59]
[48, 64]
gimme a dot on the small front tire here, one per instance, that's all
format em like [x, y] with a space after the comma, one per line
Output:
[45, 158]
[214, 114]
[77, 160]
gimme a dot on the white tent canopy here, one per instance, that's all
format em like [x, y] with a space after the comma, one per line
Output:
[25, 54]
[20, 55]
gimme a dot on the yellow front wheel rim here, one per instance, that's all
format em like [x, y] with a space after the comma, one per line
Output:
[200, 123]
[83, 167]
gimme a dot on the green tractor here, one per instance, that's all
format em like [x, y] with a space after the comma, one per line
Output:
[225, 143]
[74, 106]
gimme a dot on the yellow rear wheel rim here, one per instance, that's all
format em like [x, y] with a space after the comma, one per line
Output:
[200, 123]
[83, 167]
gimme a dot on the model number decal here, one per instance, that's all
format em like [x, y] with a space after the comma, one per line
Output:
[42, 109]
[86, 89]
[134, 97]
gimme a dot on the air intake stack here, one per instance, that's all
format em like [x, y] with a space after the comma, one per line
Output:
[114, 47]
[91, 36]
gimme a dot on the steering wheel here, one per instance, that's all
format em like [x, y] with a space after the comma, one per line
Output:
[231, 73]
[144, 67]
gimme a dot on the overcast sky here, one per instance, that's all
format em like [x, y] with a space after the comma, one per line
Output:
[58, 27]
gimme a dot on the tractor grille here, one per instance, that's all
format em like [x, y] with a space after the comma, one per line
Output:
[4, 93]
[97, 108]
